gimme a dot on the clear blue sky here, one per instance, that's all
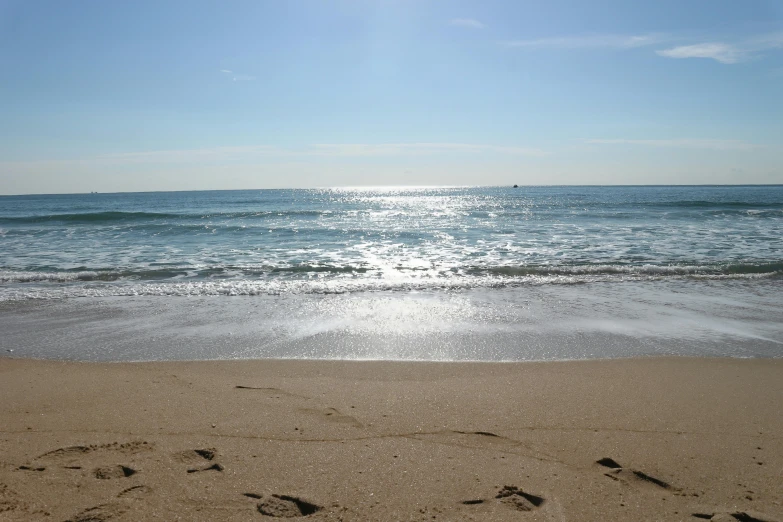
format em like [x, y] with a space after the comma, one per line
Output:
[185, 95]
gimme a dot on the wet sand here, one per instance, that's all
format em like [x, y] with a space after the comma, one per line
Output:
[631, 439]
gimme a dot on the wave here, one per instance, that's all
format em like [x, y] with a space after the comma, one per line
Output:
[69, 276]
[623, 209]
[329, 286]
[642, 270]
[118, 216]
[83, 274]
[367, 273]
[86, 217]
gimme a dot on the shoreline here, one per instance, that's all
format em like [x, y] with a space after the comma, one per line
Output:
[509, 362]
[597, 321]
[392, 440]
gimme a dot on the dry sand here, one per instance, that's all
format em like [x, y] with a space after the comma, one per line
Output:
[678, 439]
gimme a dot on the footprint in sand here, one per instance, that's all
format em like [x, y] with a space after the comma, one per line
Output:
[197, 460]
[135, 492]
[68, 457]
[113, 509]
[517, 499]
[101, 512]
[195, 456]
[74, 457]
[283, 506]
[627, 475]
[74, 451]
[112, 472]
[213, 467]
[68, 452]
[512, 497]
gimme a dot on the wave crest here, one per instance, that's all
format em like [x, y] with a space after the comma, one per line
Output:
[319, 279]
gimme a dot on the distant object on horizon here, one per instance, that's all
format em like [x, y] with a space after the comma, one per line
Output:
[516, 186]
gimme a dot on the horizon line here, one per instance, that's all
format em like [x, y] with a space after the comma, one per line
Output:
[410, 187]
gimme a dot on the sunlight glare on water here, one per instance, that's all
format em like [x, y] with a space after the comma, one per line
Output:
[357, 239]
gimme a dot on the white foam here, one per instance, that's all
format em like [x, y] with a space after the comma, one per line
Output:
[323, 285]
[53, 277]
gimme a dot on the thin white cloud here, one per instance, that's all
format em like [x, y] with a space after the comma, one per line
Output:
[720, 52]
[591, 41]
[682, 143]
[728, 53]
[236, 77]
[467, 22]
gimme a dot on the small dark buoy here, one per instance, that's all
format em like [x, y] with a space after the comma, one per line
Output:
[516, 186]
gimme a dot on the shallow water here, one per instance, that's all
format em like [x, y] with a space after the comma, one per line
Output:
[596, 320]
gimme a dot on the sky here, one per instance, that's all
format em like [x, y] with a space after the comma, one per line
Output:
[195, 95]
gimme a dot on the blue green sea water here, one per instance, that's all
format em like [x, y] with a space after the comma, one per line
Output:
[459, 264]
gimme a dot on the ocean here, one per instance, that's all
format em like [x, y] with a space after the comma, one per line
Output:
[457, 273]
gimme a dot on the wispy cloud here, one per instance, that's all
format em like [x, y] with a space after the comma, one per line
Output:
[237, 77]
[591, 41]
[720, 52]
[467, 22]
[727, 53]
[682, 143]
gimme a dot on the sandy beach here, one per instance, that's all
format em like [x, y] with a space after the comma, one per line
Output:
[634, 439]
